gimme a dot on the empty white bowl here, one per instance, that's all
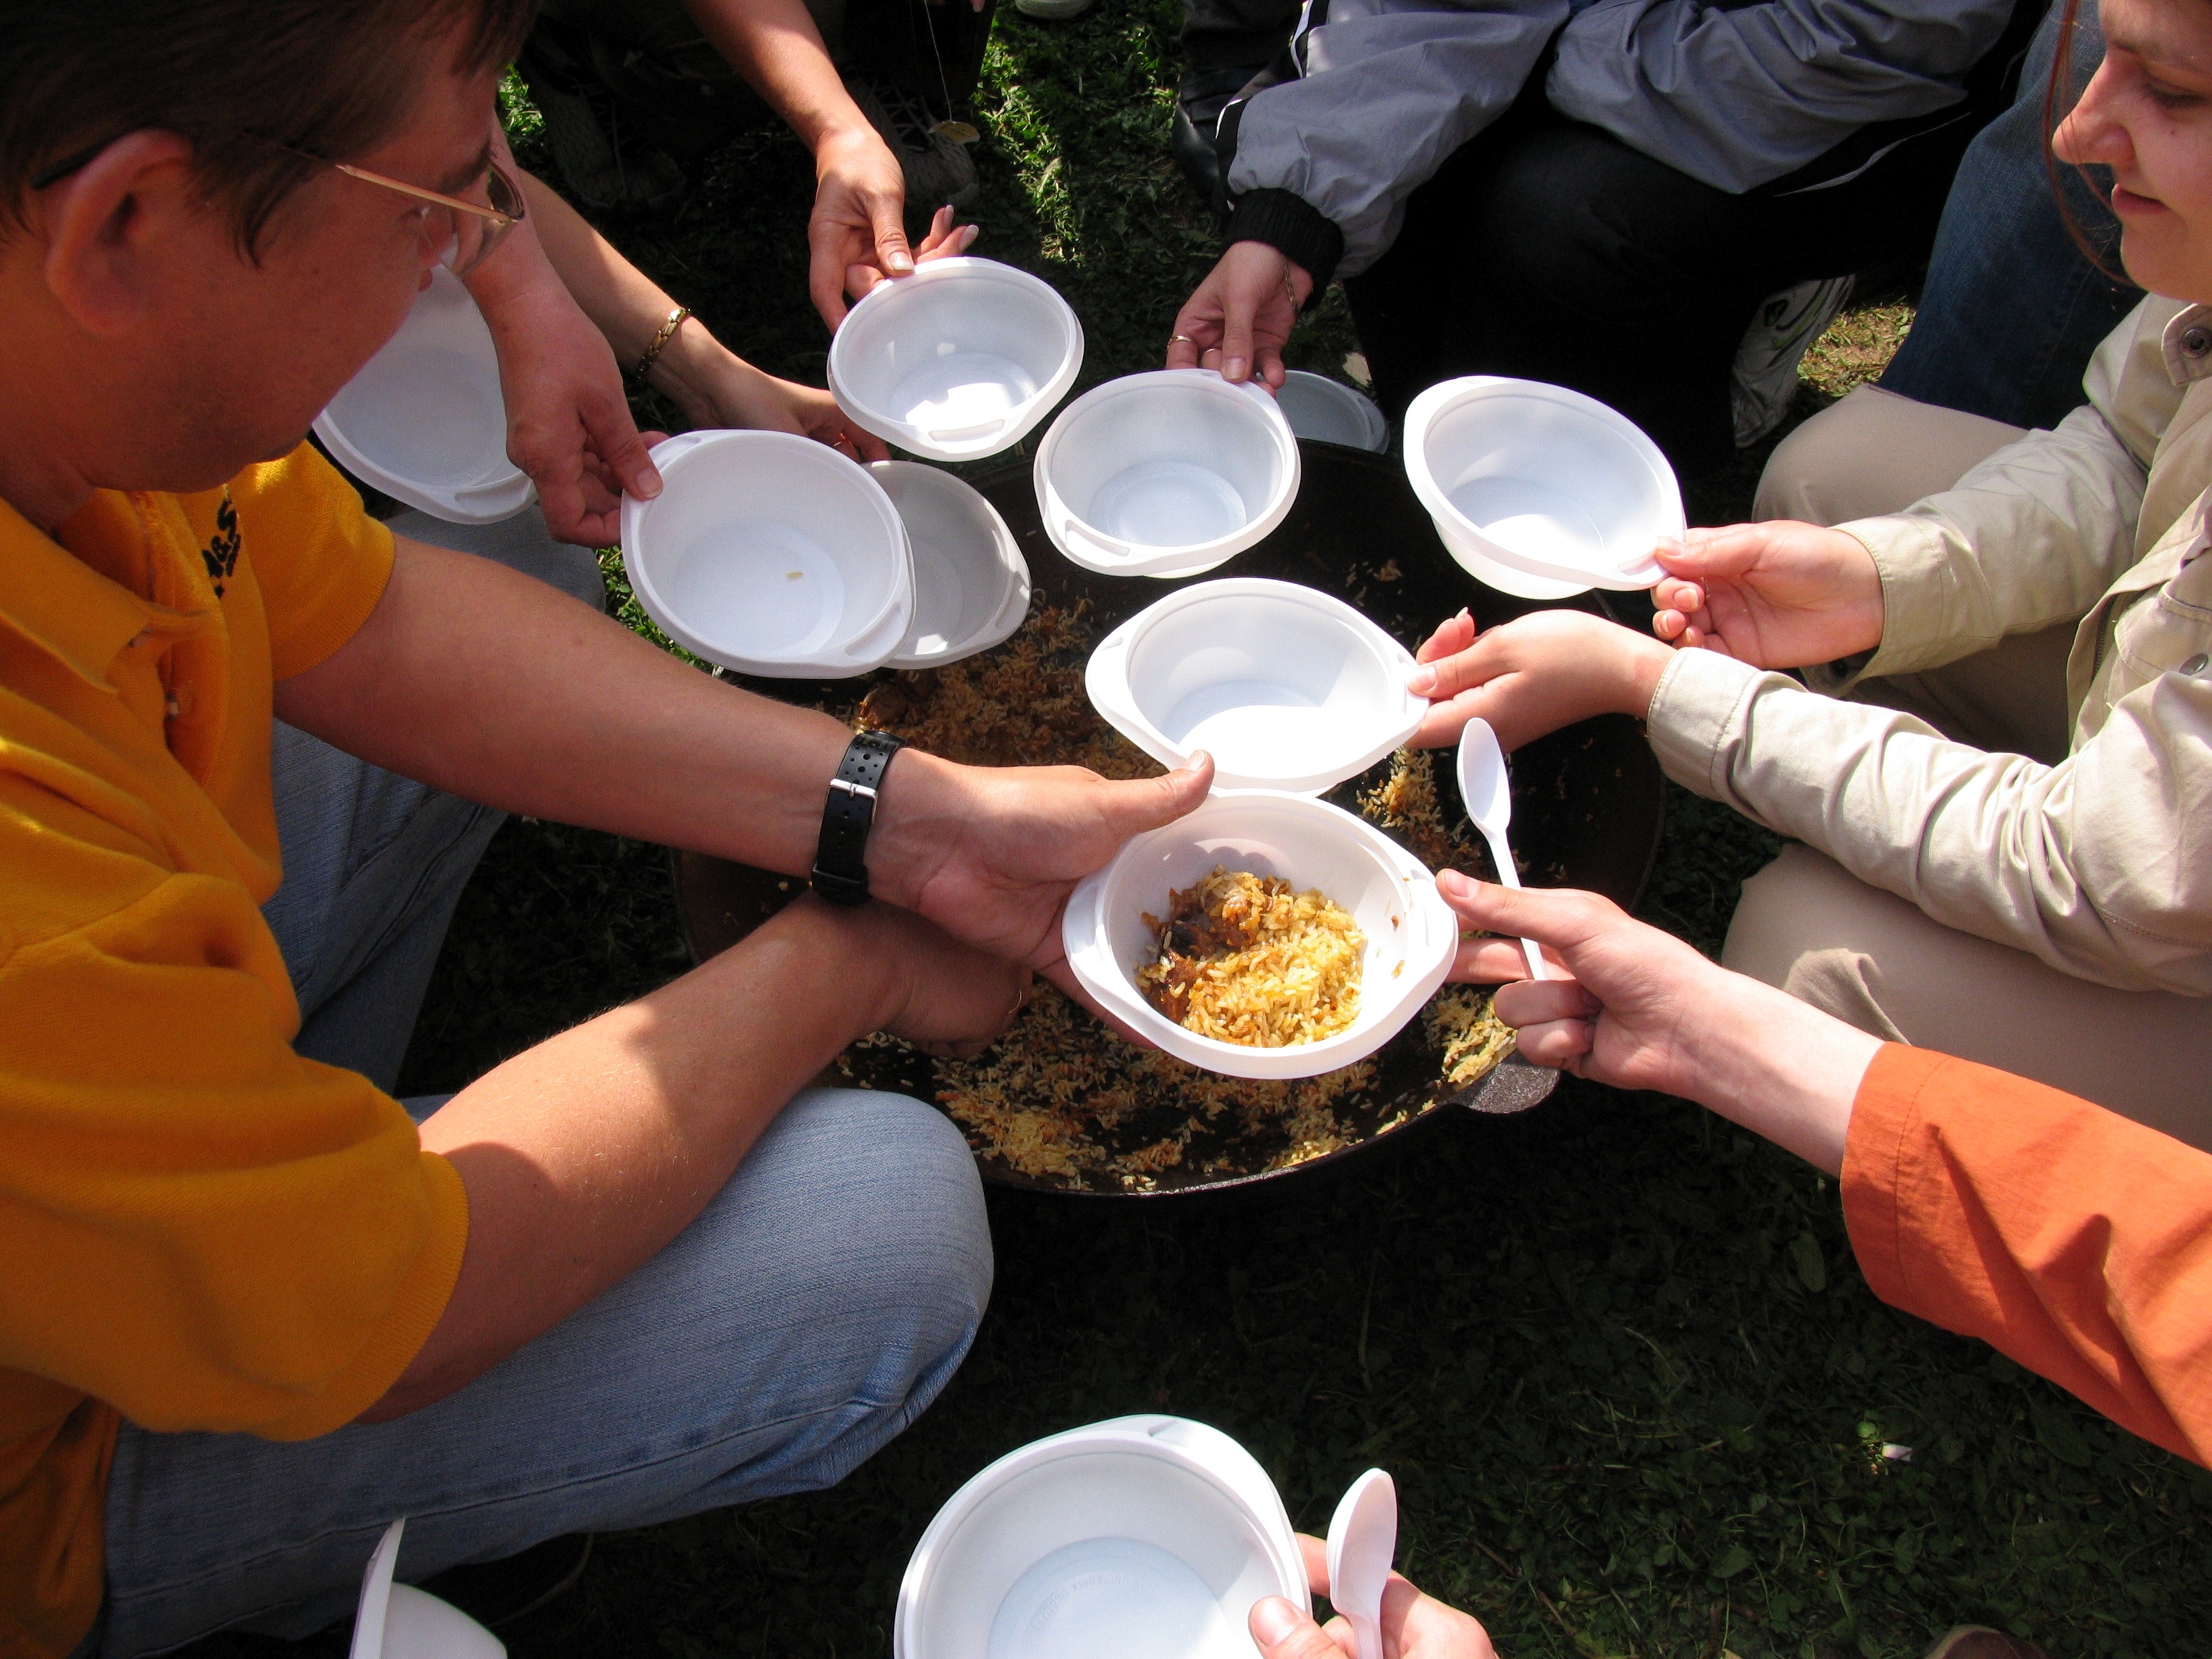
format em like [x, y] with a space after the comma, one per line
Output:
[1286, 687]
[1139, 1536]
[424, 422]
[958, 360]
[1165, 474]
[1412, 935]
[1538, 490]
[1330, 412]
[770, 554]
[971, 585]
[397, 1621]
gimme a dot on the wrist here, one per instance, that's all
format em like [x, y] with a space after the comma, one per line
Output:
[1778, 1066]
[842, 951]
[922, 803]
[1643, 662]
[696, 371]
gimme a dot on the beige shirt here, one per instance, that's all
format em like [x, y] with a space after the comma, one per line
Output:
[2100, 865]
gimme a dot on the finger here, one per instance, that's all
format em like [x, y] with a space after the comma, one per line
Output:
[1271, 368]
[615, 440]
[1728, 551]
[1314, 1553]
[1672, 594]
[886, 217]
[1540, 1001]
[1668, 624]
[1283, 1632]
[1448, 717]
[562, 500]
[871, 448]
[957, 240]
[1557, 916]
[1061, 978]
[1143, 803]
[1557, 1044]
[1489, 962]
[1236, 337]
[826, 281]
[1453, 635]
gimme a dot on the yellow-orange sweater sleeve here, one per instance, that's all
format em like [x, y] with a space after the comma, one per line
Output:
[2072, 1240]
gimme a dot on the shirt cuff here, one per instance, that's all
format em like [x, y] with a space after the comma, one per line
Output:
[1884, 1115]
[1294, 227]
[1697, 703]
[1914, 559]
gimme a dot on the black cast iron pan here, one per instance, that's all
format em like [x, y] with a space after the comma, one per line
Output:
[1587, 801]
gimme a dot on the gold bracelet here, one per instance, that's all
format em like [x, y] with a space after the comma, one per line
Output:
[660, 341]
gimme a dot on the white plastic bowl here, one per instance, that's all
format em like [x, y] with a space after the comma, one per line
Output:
[770, 554]
[424, 422]
[1139, 1536]
[971, 585]
[1286, 687]
[397, 1621]
[1330, 412]
[1539, 490]
[1412, 935]
[1165, 474]
[958, 360]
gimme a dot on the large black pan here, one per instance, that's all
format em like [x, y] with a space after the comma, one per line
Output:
[1587, 801]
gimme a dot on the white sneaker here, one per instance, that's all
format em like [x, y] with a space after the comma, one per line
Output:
[1764, 381]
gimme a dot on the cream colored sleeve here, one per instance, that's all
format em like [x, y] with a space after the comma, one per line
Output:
[2094, 866]
[2029, 538]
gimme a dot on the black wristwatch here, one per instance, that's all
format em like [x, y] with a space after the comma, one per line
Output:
[841, 870]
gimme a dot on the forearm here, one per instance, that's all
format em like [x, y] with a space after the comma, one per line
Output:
[774, 45]
[1778, 1066]
[584, 1156]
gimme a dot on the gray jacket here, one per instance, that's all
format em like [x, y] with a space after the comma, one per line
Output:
[1736, 98]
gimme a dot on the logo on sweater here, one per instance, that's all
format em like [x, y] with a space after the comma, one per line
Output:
[220, 554]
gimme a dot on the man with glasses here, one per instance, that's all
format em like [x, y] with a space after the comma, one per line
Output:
[253, 1310]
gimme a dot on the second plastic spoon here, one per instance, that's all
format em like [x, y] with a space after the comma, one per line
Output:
[1487, 790]
[1363, 1540]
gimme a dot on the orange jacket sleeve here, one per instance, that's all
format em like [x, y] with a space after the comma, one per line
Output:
[2070, 1239]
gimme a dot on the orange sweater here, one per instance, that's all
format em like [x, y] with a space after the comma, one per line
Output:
[2068, 1238]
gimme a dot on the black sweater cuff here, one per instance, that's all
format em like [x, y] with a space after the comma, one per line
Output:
[1292, 227]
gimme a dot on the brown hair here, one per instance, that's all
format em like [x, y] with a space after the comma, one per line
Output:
[247, 82]
[2059, 95]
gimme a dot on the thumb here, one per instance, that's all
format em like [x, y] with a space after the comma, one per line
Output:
[1704, 553]
[1148, 802]
[1281, 1631]
[1562, 918]
[892, 253]
[615, 438]
[1236, 310]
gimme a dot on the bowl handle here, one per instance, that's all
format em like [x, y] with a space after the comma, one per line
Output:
[947, 434]
[1072, 525]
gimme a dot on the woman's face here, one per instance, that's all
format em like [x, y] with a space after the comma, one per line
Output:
[2148, 116]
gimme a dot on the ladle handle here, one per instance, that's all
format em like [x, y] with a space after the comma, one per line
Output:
[1510, 876]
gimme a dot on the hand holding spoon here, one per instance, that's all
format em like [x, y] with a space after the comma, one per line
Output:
[1488, 792]
[1363, 1540]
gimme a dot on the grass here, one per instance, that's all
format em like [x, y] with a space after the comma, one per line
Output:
[1617, 1354]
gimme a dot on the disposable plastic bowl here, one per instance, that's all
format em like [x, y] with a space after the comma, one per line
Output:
[1142, 1536]
[1330, 412]
[770, 554]
[958, 360]
[1539, 490]
[1412, 935]
[971, 585]
[1165, 474]
[1287, 687]
[423, 420]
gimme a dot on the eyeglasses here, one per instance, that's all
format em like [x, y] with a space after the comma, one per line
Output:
[459, 234]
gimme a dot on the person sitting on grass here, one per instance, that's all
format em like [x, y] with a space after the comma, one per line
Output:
[255, 1308]
[2004, 853]
[2074, 1242]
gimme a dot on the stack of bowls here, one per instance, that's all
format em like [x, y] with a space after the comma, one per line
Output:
[1291, 691]
[1539, 491]
[1326, 411]
[1165, 474]
[1139, 1535]
[424, 422]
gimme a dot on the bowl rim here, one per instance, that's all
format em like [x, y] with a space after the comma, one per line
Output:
[1447, 396]
[1371, 418]
[1012, 568]
[673, 456]
[1106, 677]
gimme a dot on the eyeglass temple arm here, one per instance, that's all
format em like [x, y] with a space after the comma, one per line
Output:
[422, 195]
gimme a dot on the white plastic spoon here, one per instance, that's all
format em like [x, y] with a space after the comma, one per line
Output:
[1363, 1541]
[1488, 792]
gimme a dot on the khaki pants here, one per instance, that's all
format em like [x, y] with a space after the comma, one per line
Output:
[1869, 957]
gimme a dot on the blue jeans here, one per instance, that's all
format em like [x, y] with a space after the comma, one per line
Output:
[2012, 308]
[811, 1312]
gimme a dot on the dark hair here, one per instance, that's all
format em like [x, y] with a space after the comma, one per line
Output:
[238, 79]
[2059, 95]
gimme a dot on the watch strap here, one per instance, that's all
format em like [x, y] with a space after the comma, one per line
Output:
[841, 870]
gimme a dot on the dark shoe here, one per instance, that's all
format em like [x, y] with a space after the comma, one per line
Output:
[1979, 1641]
[583, 129]
[937, 167]
[1199, 103]
[496, 1593]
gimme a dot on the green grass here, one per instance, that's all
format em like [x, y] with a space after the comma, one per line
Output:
[1616, 1353]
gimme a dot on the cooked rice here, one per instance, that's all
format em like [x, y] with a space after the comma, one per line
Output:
[1243, 959]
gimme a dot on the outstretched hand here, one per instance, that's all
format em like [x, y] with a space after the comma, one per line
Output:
[1240, 316]
[1777, 595]
[859, 243]
[1532, 675]
[1414, 1626]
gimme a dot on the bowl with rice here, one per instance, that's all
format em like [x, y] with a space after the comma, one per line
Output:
[1264, 935]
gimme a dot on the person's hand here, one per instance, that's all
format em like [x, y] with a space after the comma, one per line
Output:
[1644, 1010]
[1240, 316]
[947, 999]
[568, 425]
[1414, 1626]
[1777, 595]
[1533, 675]
[856, 234]
[990, 854]
[739, 395]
